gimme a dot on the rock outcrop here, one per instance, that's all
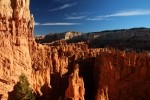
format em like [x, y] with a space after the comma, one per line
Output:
[75, 90]
[54, 37]
[126, 76]
[16, 33]
[16, 47]
[135, 39]
[102, 94]
[104, 73]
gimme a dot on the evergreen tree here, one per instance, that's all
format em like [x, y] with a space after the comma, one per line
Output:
[22, 91]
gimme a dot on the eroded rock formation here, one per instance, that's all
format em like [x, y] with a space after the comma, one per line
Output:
[106, 73]
[102, 94]
[126, 76]
[75, 90]
[16, 46]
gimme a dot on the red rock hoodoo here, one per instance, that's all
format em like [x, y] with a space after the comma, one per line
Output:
[101, 73]
[75, 89]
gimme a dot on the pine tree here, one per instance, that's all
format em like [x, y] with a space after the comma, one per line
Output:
[22, 91]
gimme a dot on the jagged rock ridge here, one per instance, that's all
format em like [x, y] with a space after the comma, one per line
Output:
[53, 37]
[125, 39]
[51, 69]
[125, 76]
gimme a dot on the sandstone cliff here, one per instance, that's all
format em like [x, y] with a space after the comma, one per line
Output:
[102, 73]
[126, 76]
[16, 46]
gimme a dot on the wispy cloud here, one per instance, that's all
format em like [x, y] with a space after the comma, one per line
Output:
[78, 15]
[98, 18]
[138, 12]
[36, 23]
[63, 7]
[61, 24]
[75, 17]
[56, 24]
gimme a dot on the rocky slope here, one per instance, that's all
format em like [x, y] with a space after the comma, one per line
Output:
[61, 71]
[135, 38]
[53, 37]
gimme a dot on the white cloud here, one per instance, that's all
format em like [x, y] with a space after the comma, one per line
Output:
[98, 18]
[54, 24]
[79, 15]
[95, 18]
[36, 23]
[75, 17]
[57, 24]
[138, 12]
[63, 7]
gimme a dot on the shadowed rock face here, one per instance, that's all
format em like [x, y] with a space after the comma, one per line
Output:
[102, 73]
[135, 38]
[126, 76]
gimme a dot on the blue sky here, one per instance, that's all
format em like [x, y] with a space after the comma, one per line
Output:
[89, 15]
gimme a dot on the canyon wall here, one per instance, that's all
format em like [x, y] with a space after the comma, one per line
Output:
[16, 32]
[122, 76]
[16, 48]
[65, 71]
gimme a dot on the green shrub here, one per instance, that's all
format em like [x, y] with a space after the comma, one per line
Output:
[22, 91]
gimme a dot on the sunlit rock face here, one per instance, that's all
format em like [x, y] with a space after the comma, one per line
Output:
[6, 10]
[21, 10]
[54, 37]
[20, 54]
[75, 90]
[16, 46]
[101, 74]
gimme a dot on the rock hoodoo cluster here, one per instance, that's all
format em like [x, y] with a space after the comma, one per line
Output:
[66, 71]
[124, 76]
